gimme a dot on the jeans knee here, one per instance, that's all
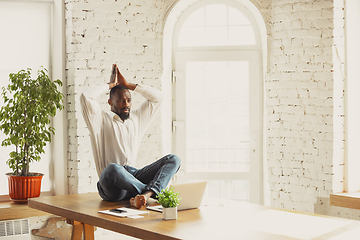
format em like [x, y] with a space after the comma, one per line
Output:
[175, 159]
[112, 169]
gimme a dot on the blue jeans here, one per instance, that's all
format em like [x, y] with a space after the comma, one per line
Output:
[123, 182]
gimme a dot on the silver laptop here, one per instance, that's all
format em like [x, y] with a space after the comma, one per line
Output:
[191, 195]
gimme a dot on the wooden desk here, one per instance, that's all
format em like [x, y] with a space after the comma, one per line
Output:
[213, 221]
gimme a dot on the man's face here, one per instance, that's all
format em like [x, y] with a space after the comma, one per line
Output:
[121, 103]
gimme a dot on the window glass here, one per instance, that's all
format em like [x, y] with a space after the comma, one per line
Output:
[24, 43]
[216, 25]
[228, 189]
[216, 15]
[217, 120]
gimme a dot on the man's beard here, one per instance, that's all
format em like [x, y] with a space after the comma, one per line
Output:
[123, 115]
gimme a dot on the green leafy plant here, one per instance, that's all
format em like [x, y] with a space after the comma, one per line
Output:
[168, 198]
[26, 114]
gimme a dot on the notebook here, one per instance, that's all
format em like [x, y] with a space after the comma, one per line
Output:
[191, 195]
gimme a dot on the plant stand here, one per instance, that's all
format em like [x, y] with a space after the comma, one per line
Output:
[169, 213]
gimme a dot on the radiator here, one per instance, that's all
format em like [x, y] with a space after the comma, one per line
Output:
[15, 229]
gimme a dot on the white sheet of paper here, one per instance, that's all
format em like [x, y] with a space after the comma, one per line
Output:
[295, 225]
[135, 216]
[129, 212]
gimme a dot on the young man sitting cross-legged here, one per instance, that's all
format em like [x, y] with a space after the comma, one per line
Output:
[115, 140]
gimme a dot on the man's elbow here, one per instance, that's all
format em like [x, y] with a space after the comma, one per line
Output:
[161, 98]
[82, 98]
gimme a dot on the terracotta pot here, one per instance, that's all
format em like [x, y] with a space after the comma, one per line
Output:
[21, 188]
[169, 213]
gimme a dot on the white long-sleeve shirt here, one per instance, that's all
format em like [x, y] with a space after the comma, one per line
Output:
[112, 139]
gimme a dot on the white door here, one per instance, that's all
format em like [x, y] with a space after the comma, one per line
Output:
[217, 124]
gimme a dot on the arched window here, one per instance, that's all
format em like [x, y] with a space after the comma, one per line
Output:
[217, 99]
[216, 25]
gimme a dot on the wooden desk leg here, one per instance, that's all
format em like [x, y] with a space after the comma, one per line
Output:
[88, 232]
[77, 230]
[80, 228]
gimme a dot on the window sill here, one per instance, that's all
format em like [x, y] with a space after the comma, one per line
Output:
[347, 200]
[10, 210]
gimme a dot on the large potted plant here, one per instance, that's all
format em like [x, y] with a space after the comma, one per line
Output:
[29, 105]
[169, 201]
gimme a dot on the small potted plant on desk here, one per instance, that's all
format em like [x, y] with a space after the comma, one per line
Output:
[25, 119]
[169, 200]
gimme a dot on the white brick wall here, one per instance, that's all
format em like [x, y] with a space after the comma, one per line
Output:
[302, 72]
[299, 103]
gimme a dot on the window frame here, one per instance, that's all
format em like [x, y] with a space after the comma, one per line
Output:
[257, 196]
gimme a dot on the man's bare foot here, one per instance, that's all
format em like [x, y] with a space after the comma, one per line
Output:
[140, 200]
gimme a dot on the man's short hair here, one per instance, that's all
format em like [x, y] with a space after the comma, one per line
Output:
[117, 87]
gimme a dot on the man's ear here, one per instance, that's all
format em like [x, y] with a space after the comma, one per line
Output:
[109, 101]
